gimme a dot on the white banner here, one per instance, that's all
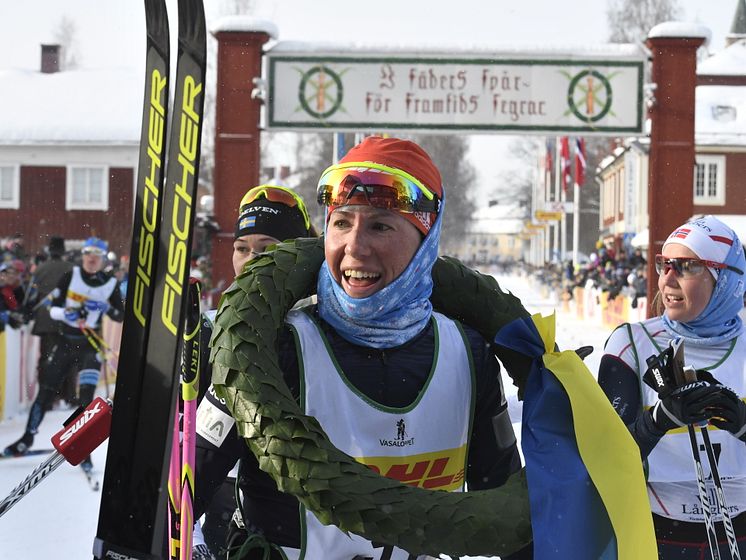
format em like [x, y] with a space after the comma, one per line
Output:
[495, 93]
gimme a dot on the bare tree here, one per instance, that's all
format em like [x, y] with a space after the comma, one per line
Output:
[449, 153]
[64, 35]
[236, 7]
[313, 154]
[516, 185]
[631, 20]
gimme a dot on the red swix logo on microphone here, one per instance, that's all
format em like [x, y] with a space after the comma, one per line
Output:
[84, 432]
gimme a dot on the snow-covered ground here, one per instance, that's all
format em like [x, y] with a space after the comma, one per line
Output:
[58, 518]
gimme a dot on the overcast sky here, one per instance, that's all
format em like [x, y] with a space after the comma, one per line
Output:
[111, 32]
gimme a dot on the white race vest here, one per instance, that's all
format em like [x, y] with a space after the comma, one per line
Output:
[78, 292]
[672, 480]
[424, 444]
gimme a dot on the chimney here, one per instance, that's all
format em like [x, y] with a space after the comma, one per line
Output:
[50, 59]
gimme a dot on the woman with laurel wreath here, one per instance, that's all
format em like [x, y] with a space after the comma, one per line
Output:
[410, 393]
[267, 214]
[701, 286]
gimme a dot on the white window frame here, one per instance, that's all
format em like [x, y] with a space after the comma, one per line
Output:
[14, 202]
[707, 198]
[103, 204]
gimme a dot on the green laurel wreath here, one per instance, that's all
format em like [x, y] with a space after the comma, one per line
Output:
[295, 451]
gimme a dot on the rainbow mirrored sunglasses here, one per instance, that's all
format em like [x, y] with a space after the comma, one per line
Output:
[381, 186]
[688, 267]
[278, 194]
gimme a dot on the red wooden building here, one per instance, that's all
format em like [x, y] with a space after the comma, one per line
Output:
[68, 152]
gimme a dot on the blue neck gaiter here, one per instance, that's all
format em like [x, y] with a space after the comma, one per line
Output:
[719, 321]
[393, 315]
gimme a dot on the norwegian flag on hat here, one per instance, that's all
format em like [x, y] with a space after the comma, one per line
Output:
[681, 233]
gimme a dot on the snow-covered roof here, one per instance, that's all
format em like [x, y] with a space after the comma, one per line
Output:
[730, 61]
[245, 24]
[454, 49]
[101, 106]
[720, 115]
[680, 29]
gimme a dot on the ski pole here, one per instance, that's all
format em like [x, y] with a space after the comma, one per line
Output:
[190, 390]
[681, 375]
[701, 487]
[101, 346]
[174, 492]
[83, 432]
[691, 375]
[94, 342]
[100, 341]
[37, 475]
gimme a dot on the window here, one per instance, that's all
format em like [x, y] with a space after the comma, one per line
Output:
[709, 180]
[87, 188]
[10, 195]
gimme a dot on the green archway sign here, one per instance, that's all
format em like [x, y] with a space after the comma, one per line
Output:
[594, 92]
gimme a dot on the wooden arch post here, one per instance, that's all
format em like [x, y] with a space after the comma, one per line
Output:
[237, 143]
[671, 111]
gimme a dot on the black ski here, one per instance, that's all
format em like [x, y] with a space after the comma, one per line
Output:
[28, 453]
[132, 518]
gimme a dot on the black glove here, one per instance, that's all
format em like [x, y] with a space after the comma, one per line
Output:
[730, 413]
[689, 404]
[584, 351]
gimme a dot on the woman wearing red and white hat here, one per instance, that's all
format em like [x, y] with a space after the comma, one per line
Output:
[701, 286]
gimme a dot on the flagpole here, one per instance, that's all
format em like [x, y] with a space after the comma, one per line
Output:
[575, 223]
[563, 254]
[557, 189]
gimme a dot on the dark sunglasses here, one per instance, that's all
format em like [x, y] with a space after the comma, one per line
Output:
[688, 267]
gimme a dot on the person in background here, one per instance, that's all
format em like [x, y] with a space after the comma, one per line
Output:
[13, 248]
[12, 294]
[84, 295]
[267, 215]
[372, 353]
[45, 279]
[701, 287]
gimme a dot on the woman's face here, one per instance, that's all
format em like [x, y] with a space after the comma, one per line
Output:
[684, 298]
[367, 248]
[247, 247]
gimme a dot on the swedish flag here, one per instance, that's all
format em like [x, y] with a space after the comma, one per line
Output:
[585, 479]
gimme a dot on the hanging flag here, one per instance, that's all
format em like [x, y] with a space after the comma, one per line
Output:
[579, 161]
[586, 484]
[565, 164]
[548, 156]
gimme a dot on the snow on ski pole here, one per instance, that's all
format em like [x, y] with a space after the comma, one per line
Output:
[82, 433]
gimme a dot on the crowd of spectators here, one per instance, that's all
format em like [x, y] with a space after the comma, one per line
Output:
[610, 271]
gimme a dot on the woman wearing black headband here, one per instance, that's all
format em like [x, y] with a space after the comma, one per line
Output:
[268, 214]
